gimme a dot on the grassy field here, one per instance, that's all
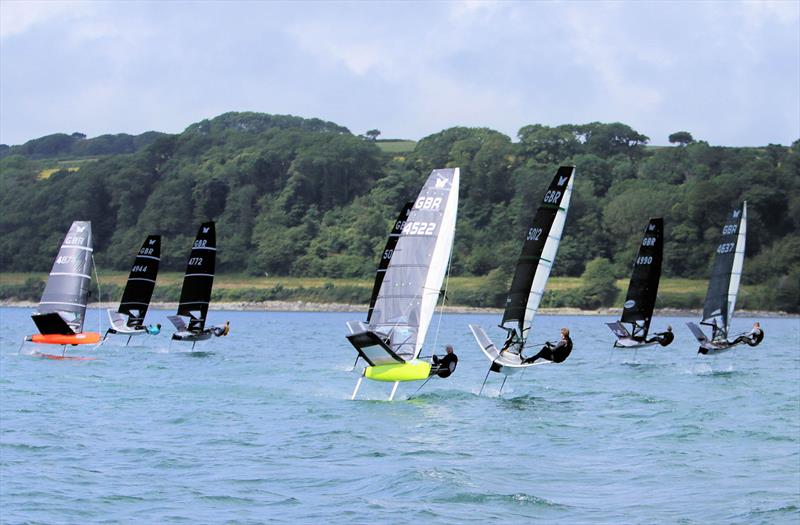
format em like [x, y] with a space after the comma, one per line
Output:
[243, 281]
[396, 145]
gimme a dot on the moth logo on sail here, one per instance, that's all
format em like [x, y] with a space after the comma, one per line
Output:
[205, 230]
[736, 213]
[151, 242]
[441, 182]
[651, 227]
[80, 229]
[562, 180]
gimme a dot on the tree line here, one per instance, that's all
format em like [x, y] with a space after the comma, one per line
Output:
[306, 197]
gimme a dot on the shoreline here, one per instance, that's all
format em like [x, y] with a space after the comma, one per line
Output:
[306, 306]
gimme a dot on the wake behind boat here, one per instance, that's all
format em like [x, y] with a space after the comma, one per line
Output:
[642, 291]
[196, 291]
[407, 287]
[128, 319]
[724, 287]
[530, 278]
[62, 308]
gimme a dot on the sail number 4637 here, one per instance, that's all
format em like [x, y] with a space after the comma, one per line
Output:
[726, 247]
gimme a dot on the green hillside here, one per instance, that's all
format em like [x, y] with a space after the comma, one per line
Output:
[306, 198]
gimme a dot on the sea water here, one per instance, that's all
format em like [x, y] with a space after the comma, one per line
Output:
[258, 427]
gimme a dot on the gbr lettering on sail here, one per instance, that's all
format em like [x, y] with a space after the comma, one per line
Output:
[423, 227]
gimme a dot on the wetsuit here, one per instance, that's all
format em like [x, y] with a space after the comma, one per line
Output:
[445, 366]
[753, 338]
[557, 353]
[662, 338]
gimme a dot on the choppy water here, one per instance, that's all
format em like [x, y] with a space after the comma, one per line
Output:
[258, 427]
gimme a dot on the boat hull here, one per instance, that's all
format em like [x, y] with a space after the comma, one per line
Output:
[414, 370]
[83, 338]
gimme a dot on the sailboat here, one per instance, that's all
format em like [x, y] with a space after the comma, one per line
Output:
[408, 287]
[62, 308]
[642, 290]
[724, 286]
[530, 278]
[196, 292]
[128, 319]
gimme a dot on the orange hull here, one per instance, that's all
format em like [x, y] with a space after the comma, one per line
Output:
[83, 338]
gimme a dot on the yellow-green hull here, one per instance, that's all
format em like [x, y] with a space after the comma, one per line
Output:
[414, 370]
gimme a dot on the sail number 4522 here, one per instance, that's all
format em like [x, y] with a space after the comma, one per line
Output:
[419, 228]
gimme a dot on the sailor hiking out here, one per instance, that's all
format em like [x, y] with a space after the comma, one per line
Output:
[555, 352]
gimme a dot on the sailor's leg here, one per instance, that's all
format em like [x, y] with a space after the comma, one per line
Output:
[394, 390]
[502, 385]
[358, 385]
[484, 380]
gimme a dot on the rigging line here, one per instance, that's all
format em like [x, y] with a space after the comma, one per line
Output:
[444, 298]
[99, 297]
[420, 388]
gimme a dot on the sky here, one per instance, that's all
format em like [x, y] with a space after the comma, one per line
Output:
[727, 72]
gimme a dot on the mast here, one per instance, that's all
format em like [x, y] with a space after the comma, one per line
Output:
[538, 254]
[411, 284]
[725, 274]
[141, 282]
[199, 278]
[67, 289]
[643, 287]
[386, 256]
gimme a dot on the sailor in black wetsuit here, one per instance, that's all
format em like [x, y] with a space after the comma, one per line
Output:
[662, 338]
[556, 353]
[446, 365]
[219, 331]
[753, 338]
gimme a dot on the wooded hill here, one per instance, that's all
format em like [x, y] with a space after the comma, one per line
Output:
[306, 197]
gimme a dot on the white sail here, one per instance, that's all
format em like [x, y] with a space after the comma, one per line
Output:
[738, 265]
[546, 261]
[410, 289]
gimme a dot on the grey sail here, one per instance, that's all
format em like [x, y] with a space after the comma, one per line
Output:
[411, 285]
[67, 289]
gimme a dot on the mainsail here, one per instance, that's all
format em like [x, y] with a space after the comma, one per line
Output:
[538, 253]
[386, 255]
[643, 288]
[726, 273]
[410, 290]
[67, 289]
[199, 278]
[141, 282]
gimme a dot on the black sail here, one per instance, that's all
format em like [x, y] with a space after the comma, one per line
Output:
[643, 288]
[716, 306]
[67, 289]
[535, 240]
[141, 282]
[199, 278]
[386, 255]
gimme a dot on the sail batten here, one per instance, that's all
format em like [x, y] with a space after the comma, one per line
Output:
[141, 282]
[538, 253]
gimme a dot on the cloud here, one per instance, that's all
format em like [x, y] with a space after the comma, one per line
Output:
[19, 16]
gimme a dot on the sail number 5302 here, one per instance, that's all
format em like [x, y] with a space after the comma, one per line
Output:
[534, 234]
